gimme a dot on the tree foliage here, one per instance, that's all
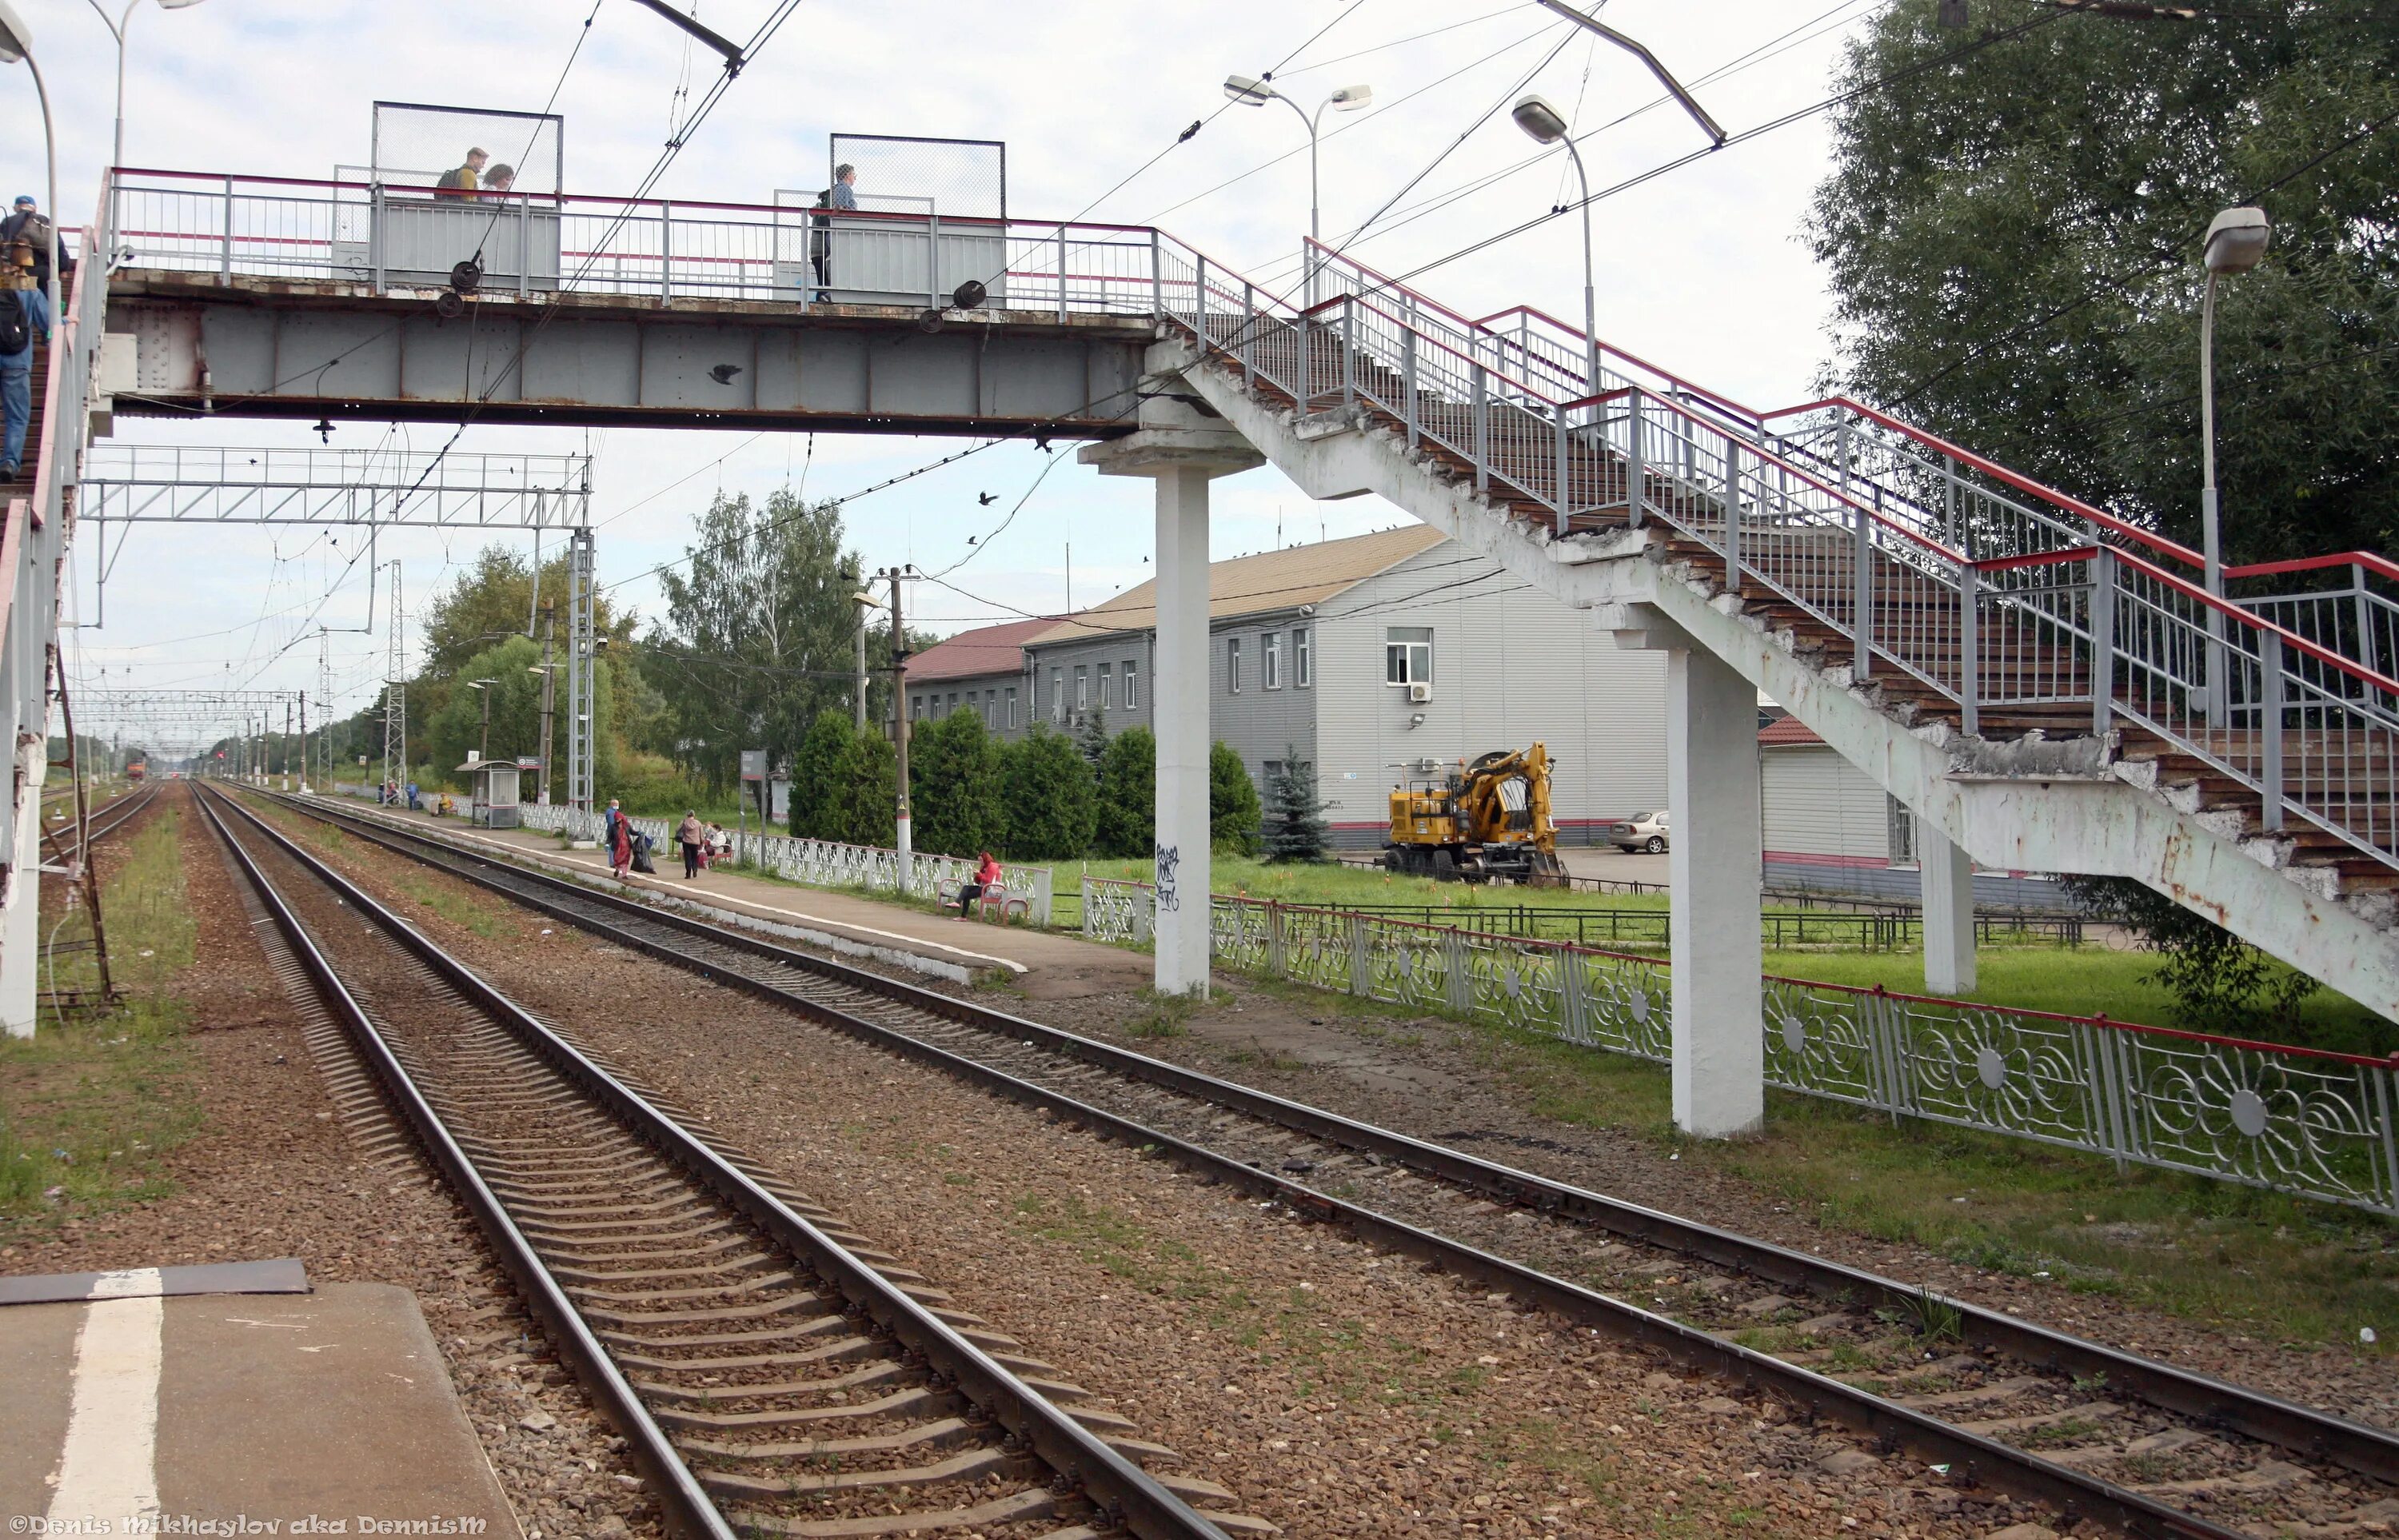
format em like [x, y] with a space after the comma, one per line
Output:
[816, 776]
[955, 785]
[1127, 816]
[2012, 242]
[2220, 982]
[864, 808]
[1233, 813]
[1296, 829]
[759, 634]
[1051, 798]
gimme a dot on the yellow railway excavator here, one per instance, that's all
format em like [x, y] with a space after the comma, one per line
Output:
[1483, 822]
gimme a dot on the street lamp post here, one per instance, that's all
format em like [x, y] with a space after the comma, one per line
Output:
[483, 688]
[1546, 125]
[1349, 98]
[2236, 242]
[116, 30]
[17, 43]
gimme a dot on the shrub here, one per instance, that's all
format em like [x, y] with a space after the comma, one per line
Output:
[955, 778]
[816, 776]
[862, 809]
[1128, 821]
[1051, 798]
[1233, 813]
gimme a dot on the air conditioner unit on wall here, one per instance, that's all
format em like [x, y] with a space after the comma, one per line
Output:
[1419, 694]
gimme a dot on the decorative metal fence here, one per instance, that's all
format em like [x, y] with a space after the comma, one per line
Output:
[818, 863]
[2294, 1120]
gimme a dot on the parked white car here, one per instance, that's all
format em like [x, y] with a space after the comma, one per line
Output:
[1645, 831]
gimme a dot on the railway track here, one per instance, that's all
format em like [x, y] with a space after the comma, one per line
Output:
[772, 1372]
[2092, 1430]
[106, 820]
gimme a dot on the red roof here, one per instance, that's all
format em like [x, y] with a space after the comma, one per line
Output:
[987, 650]
[1787, 731]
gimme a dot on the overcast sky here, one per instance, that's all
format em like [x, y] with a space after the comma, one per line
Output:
[1702, 270]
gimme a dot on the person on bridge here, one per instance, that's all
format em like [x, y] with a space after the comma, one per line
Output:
[462, 180]
[500, 179]
[17, 330]
[841, 198]
[25, 223]
[986, 877]
[694, 835]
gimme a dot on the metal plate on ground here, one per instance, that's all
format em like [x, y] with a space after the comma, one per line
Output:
[280, 1276]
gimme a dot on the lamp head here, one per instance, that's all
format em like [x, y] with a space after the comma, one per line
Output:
[2236, 240]
[16, 42]
[1349, 98]
[1247, 91]
[1540, 120]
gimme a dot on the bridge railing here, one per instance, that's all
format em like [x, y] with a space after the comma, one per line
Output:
[2294, 1120]
[1985, 587]
[385, 236]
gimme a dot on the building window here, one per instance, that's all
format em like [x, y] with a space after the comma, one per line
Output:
[1903, 831]
[1057, 694]
[954, 701]
[1082, 688]
[1012, 710]
[1131, 687]
[1271, 660]
[1407, 654]
[1103, 686]
[1302, 662]
[917, 707]
[1233, 665]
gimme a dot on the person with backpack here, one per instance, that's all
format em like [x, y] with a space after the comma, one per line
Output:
[16, 377]
[841, 198]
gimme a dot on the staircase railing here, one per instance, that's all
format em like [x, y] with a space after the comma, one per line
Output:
[1928, 560]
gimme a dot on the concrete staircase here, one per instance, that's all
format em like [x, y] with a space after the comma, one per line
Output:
[2040, 682]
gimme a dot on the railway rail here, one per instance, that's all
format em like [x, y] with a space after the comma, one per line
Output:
[770, 1370]
[2092, 1430]
[105, 819]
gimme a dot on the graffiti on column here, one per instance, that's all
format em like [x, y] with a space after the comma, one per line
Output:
[1169, 858]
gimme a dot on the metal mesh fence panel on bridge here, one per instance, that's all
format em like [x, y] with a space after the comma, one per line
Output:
[415, 145]
[953, 178]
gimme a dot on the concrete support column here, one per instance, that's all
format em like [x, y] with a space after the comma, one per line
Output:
[1179, 708]
[1947, 874]
[20, 923]
[1715, 851]
[1181, 450]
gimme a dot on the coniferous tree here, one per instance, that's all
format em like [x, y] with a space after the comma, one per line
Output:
[1051, 798]
[1092, 736]
[864, 807]
[816, 776]
[1296, 829]
[955, 784]
[1233, 813]
[1128, 825]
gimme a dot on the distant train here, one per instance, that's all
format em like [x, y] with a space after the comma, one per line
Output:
[138, 770]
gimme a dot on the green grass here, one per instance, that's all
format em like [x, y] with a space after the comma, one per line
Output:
[88, 1109]
[2277, 1267]
[1332, 886]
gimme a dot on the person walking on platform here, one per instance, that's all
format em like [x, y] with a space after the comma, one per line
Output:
[694, 835]
[620, 845]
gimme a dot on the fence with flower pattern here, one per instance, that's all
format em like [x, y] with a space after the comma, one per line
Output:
[2294, 1120]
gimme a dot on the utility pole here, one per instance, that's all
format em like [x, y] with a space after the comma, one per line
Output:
[900, 728]
[304, 743]
[549, 694]
[860, 607]
[287, 743]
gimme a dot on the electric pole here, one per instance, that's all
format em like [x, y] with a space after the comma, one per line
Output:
[304, 743]
[548, 699]
[900, 726]
[287, 743]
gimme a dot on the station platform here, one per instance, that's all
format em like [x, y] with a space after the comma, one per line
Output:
[1043, 964]
[136, 1411]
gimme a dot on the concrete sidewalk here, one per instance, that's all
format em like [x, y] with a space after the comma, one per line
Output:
[1045, 964]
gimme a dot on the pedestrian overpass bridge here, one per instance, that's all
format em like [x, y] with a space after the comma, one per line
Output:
[2046, 686]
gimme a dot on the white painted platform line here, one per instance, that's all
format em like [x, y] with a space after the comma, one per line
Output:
[108, 1468]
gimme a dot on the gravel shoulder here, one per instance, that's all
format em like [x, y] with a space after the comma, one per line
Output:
[1335, 1390]
[275, 1170]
